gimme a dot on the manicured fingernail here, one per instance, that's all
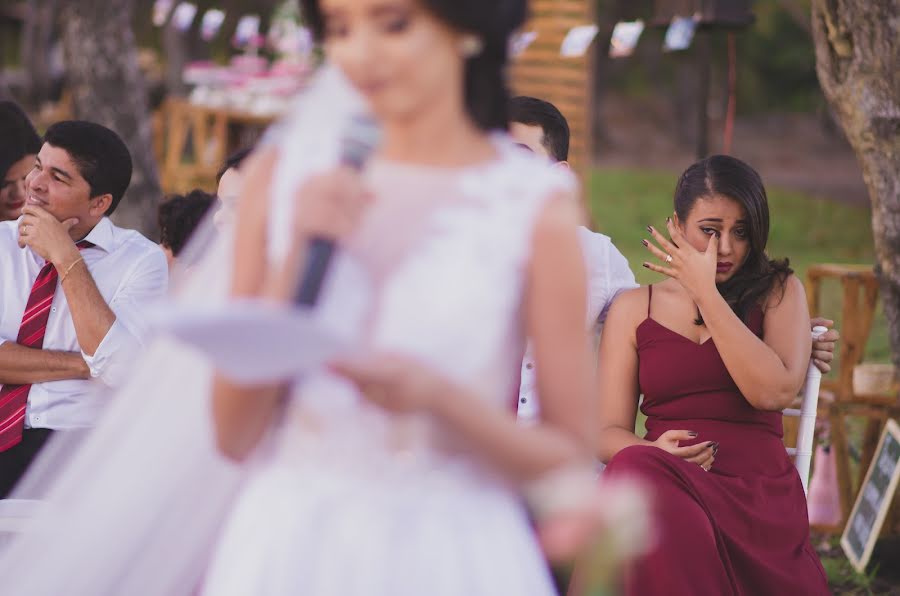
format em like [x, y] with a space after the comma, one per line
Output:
[668, 220]
[646, 266]
[650, 229]
[645, 243]
[692, 433]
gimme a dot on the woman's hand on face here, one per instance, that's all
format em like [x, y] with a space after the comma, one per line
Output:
[694, 270]
[330, 205]
[395, 383]
[703, 454]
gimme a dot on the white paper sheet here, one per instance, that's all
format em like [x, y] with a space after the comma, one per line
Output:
[578, 40]
[624, 38]
[255, 342]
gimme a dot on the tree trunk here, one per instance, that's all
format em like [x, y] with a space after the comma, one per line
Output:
[858, 63]
[37, 38]
[108, 88]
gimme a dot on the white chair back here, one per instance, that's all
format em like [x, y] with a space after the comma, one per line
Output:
[807, 413]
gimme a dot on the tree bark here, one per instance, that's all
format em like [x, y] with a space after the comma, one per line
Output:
[37, 38]
[108, 88]
[858, 63]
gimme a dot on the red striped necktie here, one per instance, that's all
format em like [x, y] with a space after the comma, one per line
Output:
[14, 398]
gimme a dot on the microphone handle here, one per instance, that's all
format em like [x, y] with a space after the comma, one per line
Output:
[318, 257]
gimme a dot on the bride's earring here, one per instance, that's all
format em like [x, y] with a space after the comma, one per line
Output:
[470, 46]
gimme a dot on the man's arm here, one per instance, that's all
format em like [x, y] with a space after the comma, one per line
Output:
[617, 277]
[51, 239]
[91, 316]
[20, 365]
[107, 333]
[111, 358]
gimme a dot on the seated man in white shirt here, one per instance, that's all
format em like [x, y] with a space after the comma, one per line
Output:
[538, 126]
[74, 286]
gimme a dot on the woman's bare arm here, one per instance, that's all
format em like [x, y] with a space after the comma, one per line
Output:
[769, 371]
[618, 375]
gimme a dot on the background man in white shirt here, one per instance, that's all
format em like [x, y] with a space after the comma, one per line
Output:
[540, 127]
[73, 291]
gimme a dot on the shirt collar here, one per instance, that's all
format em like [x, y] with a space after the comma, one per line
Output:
[102, 235]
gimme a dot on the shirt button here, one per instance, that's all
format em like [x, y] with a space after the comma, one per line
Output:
[53, 309]
[529, 365]
[523, 400]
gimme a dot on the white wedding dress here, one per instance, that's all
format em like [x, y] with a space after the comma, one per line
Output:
[351, 500]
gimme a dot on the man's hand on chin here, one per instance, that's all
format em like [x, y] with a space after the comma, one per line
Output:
[47, 236]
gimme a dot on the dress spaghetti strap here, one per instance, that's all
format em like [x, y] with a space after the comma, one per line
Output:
[649, 298]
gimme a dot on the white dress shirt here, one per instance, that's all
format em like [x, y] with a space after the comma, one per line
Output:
[608, 275]
[129, 271]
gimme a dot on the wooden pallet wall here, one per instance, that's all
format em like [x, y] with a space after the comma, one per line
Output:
[540, 71]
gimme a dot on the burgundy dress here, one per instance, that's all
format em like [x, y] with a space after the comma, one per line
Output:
[742, 527]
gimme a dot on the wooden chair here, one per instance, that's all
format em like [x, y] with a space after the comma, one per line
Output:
[807, 413]
[838, 402]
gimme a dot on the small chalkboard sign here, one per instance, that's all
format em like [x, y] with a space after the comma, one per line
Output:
[874, 500]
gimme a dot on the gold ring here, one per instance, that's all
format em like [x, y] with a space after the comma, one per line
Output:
[668, 259]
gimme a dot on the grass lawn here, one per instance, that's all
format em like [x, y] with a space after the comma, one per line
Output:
[803, 228]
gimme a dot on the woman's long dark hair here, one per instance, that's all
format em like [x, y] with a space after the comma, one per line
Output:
[730, 177]
[486, 92]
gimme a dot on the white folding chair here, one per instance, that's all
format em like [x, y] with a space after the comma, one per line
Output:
[807, 413]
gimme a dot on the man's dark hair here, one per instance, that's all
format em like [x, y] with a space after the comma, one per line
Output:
[234, 161]
[99, 154]
[179, 216]
[537, 112]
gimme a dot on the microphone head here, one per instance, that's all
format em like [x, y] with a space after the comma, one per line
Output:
[361, 136]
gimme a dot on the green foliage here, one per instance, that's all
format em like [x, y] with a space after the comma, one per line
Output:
[841, 573]
[775, 63]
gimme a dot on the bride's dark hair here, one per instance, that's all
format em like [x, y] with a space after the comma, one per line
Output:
[730, 177]
[487, 95]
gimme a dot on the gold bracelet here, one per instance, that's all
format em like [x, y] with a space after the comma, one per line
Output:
[69, 268]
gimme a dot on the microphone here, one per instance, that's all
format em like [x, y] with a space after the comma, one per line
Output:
[359, 141]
